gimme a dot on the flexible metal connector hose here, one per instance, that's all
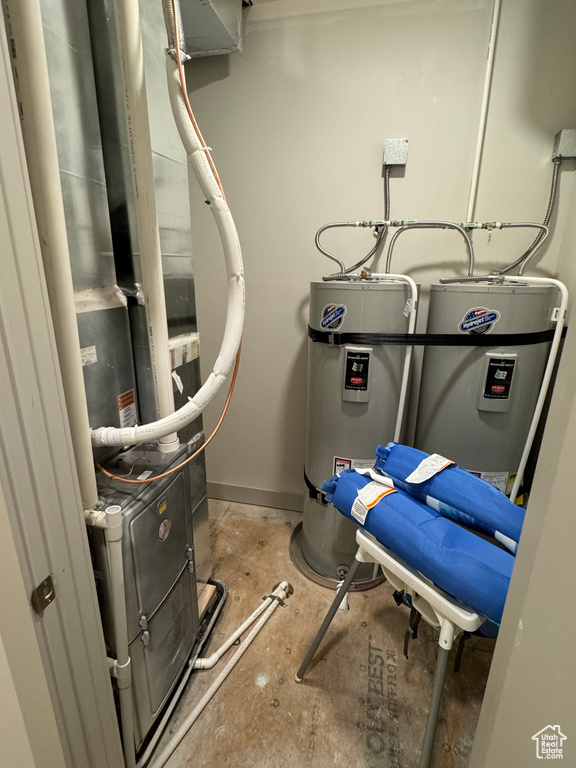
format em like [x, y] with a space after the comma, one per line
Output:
[498, 277]
[384, 229]
[327, 253]
[433, 225]
[344, 272]
[529, 252]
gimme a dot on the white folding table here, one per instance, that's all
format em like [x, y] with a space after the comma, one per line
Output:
[436, 607]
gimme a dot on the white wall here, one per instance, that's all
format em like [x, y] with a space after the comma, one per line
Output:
[531, 683]
[298, 122]
[28, 730]
[12, 724]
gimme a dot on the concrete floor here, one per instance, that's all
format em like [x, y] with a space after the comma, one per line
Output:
[260, 718]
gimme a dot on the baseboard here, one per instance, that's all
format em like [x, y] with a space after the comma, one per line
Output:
[258, 496]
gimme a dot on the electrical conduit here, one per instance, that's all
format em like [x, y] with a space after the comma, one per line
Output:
[528, 255]
[381, 236]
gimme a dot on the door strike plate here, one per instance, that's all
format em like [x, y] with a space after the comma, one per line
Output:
[43, 595]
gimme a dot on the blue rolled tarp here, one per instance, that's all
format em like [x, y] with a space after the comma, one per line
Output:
[465, 566]
[454, 493]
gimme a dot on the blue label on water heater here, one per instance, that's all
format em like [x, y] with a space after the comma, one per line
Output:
[332, 316]
[479, 320]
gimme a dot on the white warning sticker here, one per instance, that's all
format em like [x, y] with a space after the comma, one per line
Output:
[127, 408]
[341, 463]
[367, 498]
[428, 468]
[499, 480]
[89, 355]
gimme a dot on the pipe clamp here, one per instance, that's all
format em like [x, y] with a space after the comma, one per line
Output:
[275, 597]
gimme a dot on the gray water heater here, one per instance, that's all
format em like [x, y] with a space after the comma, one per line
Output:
[476, 402]
[353, 393]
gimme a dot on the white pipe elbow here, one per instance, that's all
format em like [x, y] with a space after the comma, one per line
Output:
[208, 662]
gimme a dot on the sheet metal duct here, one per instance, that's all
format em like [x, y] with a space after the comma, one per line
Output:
[101, 307]
[173, 208]
[171, 191]
[212, 27]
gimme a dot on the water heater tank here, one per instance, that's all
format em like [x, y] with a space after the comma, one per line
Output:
[353, 393]
[476, 402]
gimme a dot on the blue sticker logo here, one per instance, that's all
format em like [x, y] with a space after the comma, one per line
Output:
[332, 316]
[479, 320]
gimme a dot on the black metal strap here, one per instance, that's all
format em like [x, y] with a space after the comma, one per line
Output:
[435, 339]
[313, 492]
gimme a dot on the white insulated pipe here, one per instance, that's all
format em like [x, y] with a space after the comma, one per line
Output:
[548, 371]
[409, 350]
[127, 14]
[235, 275]
[281, 591]
[470, 212]
[24, 21]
